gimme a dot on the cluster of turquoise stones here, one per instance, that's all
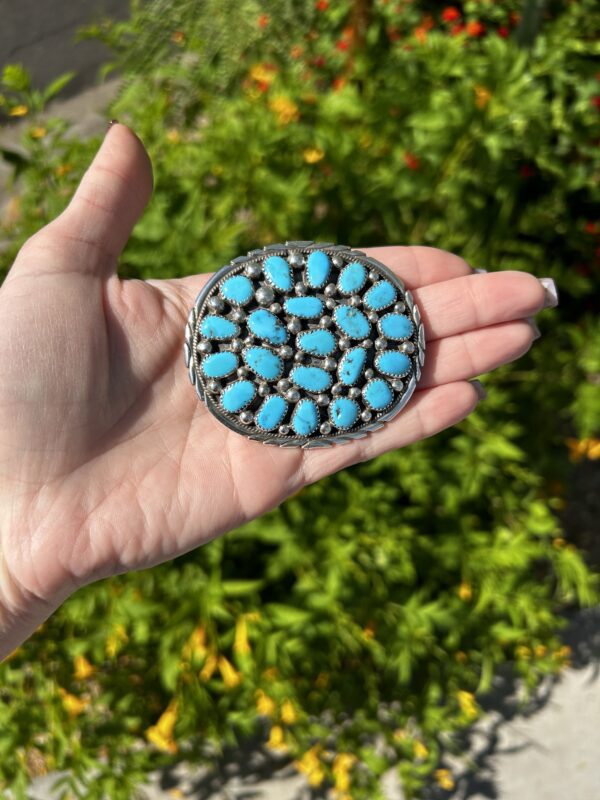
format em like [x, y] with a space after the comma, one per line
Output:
[304, 345]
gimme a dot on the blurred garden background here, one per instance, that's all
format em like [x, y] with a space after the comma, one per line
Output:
[363, 635]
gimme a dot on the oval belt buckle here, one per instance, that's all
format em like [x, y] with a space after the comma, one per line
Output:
[304, 344]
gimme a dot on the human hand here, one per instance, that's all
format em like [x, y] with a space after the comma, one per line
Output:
[109, 463]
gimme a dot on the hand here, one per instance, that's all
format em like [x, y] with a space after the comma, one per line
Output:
[108, 461]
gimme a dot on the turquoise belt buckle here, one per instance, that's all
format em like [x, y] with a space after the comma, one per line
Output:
[304, 344]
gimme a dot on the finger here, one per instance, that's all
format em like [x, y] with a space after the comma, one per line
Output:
[428, 412]
[476, 301]
[420, 266]
[470, 354]
[92, 231]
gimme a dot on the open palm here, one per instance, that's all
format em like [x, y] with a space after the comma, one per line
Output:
[108, 462]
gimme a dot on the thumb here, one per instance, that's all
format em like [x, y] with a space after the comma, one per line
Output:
[92, 231]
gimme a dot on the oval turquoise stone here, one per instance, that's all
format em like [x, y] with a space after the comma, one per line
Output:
[265, 363]
[305, 418]
[352, 278]
[278, 274]
[351, 366]
[318, 268]
[378, 394]
[393, 363]
[267, 326]
[304, 307]
[271, 412]
[237, 289]
[218, 365]
[238, 395]
[352, 322]
[396, 326]
[343, 412]
[380, 295]
[313, 379]
[215, 327]
[319, 342]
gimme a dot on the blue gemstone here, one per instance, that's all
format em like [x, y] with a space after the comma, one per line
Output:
[305, 307]
[265, 363]
[313, 379]
[305, 418]
[351, 365]
[237, 289]
[271, 412]
[352, 278]
[393, 363]
[318, 268]
[214, 327]
[318, 342]
[396, 326]
[218, 365]
[343, 412]
[238, 395]
[278, 274]
[380, 295]
[352, 322]
[378, 394]
[267, 326]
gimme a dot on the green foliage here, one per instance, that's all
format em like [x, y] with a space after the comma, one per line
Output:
[363, 615]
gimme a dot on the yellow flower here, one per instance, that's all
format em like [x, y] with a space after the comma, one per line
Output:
[482, 96]
[73, 705]
[277, 739]
[18, 111]
[115, 640]
[540, 650]
[468, 704]
[522, 652]
[195, 645]
[161, 734]
[209, 667]
[270, 673]
[583, 448]
[400, 735]
[83, 668]
[288, 713]
[264, 704]
[465, 592]
[231, 678]
[313, 154]
[173, 136]
[564, 652]
[443, 778]
[369, 630]
[420, 750]
[38, 132]
[310, 765]
[342, 764]
[241, 645]
[284, 109]
[63, 169]
[177, 793]
[261, 73]
[558, 543]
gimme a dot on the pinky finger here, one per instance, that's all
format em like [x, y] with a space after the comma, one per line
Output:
[429, 412]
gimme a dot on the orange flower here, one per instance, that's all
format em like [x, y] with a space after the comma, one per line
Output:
[263, 21]
[322, 5]
[296, 51]
[338, 84]
[178, 37]
[475, 28]
[482, 96]
[411, 161]
[421, 34]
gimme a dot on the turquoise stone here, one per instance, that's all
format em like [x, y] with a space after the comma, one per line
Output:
[352, 278]
[319, 342]
[393, 363]
[378, 394]
[396, 326]
[265, 363]
[218, 365]
[267, 326]
[305, 418]
[313, 379]
[278, 274]
[352, 322]
[318, 268]
[343, 412]
[238, 395]
[215, 327]
[305, 307]
[271, 412]
[351, 366]
[237, 289]
[380, 295]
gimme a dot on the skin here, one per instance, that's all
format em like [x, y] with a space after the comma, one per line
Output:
[108, 461]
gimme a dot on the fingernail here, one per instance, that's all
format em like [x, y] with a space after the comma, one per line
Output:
[551, 292]
[111, 123]
[536, 331]
[479, 270]
[478, 386]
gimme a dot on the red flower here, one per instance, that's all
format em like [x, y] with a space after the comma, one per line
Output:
[475, 28]
[595, 101]
[411, 161]
[393, 34]
[457, 29]
[338, 83]
[262, 86]
[319, 61]
[503, 32]
[591, 227]
[263, 20]
[342, 45]
[526, 171]
[322, 5]
[450, 14]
